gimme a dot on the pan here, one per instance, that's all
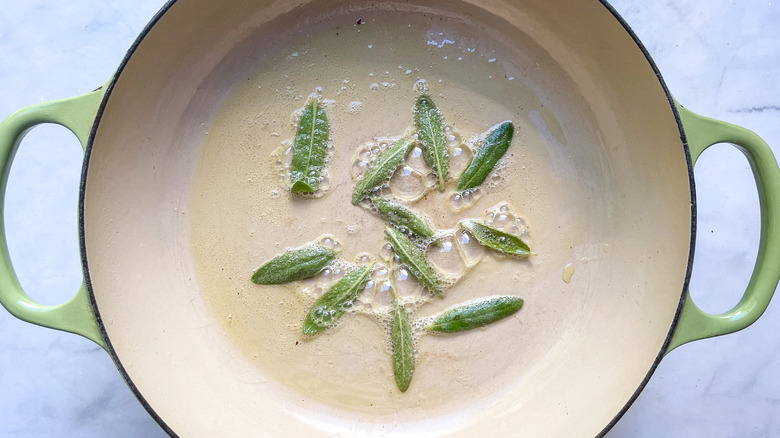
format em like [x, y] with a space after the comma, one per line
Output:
[112, 342]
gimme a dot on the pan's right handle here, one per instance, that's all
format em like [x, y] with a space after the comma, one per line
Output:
[76, 315]
[694, 323]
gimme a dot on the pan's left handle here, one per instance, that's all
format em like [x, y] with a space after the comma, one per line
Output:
[76, 315]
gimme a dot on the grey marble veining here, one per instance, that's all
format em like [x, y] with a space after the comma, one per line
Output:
[720, 58]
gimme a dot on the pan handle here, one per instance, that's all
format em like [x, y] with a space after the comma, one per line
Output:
[694, 323]
[76, 315]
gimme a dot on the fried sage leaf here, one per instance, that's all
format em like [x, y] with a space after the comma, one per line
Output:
[402, 217]
[293, 265]
[310, 149]
[498, 240]
[475, 314]
[427, 117]
[414, 258]
[336, 300]
[493, 148]
[403, 350]
[383, 169]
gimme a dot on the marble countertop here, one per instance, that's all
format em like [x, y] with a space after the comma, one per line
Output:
[720, 58]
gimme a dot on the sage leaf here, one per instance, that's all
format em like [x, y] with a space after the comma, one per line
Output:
[496, 239]
[293, 265]
[310, 149]
[430, 132]
[336, 300]
[383, 169]
[403, 350]
[414, 258]
[475, 314]
[402, 217]
[492, 149]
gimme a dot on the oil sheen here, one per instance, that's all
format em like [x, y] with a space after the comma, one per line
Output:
[368, 68]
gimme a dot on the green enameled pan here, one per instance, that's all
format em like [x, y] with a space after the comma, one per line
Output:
[180, 201]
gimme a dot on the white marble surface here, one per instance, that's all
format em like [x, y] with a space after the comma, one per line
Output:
[720, 58]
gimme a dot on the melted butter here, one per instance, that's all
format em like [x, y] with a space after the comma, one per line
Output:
[568, 271]
[242, 213]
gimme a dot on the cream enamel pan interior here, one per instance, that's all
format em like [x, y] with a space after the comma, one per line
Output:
[175, 187]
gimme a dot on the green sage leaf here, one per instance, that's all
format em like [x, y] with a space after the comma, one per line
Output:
[475, 314]
[310, 149]
[403, 350]
[492, 149]
[295, 264]
[414, 258]
[383, 169]
[498, 240]
[431, 134]
[336, 300]
[402, 217]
